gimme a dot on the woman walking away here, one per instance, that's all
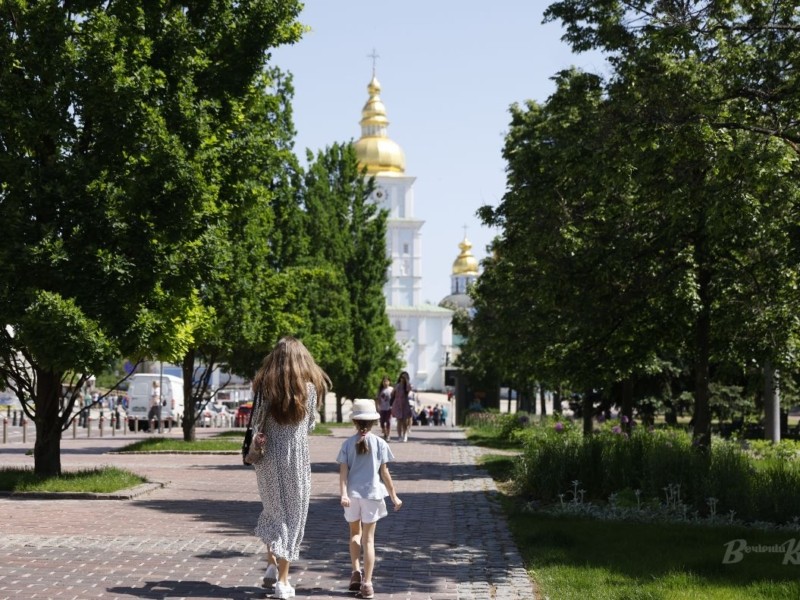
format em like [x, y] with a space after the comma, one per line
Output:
[401, 410]
[384, 402]
[363, 481]
[286, 389]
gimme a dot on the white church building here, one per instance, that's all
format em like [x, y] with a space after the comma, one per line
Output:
[424, 331]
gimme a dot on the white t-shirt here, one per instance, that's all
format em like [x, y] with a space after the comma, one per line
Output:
[363, 480]
[385, 398]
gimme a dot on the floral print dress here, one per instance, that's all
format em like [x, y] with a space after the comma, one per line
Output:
[284, 482]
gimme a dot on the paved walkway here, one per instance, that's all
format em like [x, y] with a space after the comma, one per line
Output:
[192, 538]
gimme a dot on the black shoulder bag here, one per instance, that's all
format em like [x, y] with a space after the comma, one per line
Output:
[248, 435]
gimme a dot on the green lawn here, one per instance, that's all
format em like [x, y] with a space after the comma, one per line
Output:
[319, 429]
[574, 558]
[159, 444]
[100, 481]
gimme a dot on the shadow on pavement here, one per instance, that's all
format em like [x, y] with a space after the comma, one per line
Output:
[202, 589]
[237, 516]
[234, 466]
[187, 589]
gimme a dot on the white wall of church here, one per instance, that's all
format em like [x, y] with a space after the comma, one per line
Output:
[425, 337]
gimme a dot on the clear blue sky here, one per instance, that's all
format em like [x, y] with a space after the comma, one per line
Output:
[449, 70]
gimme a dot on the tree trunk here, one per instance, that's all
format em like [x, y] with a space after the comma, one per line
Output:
[701, 434]
[671, 413]
[189, 423]
[543, 401]
[323, 418]
[47, 449]
[772, 404]
[523, 401]
[339, 402]
[588, 412]
[626, 405]
[556, 400]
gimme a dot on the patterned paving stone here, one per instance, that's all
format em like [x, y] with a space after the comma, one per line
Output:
[193, 537]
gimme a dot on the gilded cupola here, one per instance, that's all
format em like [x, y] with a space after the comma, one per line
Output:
[374, 149]
[465, 263]
[465, 273]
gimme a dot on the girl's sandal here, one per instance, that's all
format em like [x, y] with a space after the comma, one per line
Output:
[367, 591]
[355, 581]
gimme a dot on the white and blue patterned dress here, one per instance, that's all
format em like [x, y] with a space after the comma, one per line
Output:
[284, 482]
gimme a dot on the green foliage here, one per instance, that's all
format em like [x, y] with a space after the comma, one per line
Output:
[347, 238]
[246, 290]
[58, 333]
[651, 215]
[658, 465]
[493, 430]
[504, 427]
[116, 121]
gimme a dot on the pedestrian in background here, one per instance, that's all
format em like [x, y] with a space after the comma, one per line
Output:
[401, 409]
[364, 482]
[384, 402]
[286, 389]
[154, 414]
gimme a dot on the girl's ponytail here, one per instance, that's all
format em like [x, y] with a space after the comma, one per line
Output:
[362, 445]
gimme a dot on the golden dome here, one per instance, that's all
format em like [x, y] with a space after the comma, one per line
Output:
[466, 263]
[374, 149]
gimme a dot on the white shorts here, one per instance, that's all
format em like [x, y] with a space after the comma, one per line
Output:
[365, 510]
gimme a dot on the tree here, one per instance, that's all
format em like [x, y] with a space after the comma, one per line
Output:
[246, 293]
[656, 201]
[105, 116]
[347, 236]
[570, 275]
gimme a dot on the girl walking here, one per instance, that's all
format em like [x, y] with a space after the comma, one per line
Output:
[286, 388]
[364, 482]
[401, 409]
[384, 402]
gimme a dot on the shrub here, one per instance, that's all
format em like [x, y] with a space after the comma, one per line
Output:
[730, 479]
[656, 465]
[550, 461]
[775, 490]
[672, 460]
[509, 424]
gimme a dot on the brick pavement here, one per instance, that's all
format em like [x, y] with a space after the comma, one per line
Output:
[192, 538]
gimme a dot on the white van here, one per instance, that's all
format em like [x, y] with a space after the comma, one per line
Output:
[139, 391]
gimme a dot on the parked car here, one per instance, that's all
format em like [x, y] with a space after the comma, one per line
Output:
[243, 414]
[215, 415]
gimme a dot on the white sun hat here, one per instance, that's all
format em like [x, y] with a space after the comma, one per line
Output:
[364, 410]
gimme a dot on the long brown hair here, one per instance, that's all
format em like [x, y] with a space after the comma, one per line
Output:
[281, 380]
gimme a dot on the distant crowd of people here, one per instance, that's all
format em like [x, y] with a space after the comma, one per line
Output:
[93, 399]
[427, 415]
